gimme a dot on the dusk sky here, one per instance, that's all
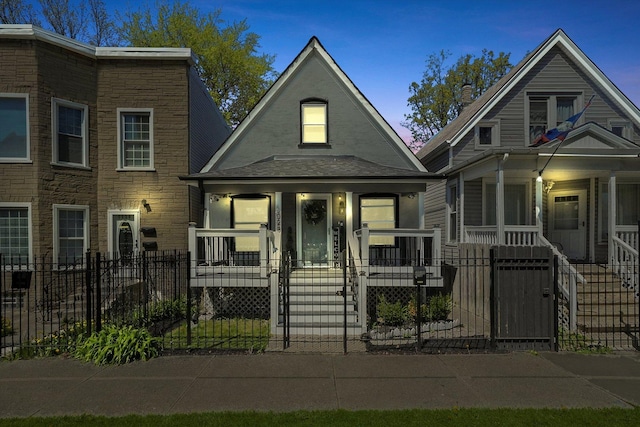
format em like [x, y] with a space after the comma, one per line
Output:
[383, 45]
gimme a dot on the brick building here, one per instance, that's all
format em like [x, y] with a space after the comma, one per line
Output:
[92, 141]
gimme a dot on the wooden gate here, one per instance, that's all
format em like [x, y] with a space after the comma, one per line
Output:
[523, 309]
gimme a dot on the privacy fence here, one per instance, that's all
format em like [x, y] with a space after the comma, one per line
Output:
[476, 298]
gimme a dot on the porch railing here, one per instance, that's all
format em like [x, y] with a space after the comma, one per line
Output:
[230, 248]
[624, 260]
[515, 235]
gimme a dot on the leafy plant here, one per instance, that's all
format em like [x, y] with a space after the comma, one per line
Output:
[118, 345]
[439, 307]
[391, 314]
[161, 311]
[5, 327]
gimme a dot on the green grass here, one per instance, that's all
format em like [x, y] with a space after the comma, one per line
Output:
[231, 334]
[440, 418]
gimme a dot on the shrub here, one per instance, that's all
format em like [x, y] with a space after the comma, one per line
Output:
[5, 327]
[391, 314]
[161, 311]
[439, 307]
[118, 345]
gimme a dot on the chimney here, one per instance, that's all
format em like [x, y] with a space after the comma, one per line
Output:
[466, 95]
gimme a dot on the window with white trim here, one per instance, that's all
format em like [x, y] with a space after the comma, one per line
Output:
[70, 233]
[627, 207]
[14, 127]
[135, 139]
[248, 214]
[547, 111]
[70, 133]
[314, 122]
[516, 204]
[452, 212]
[379, 213]
[15, 233]
[487, 134]
[621, 128]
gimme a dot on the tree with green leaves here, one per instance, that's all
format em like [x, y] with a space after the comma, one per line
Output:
[437, 99]
[226, 54]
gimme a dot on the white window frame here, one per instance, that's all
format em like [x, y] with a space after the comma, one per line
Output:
[527, 201]
[303, 125]
[249, 244]
[56, 231]
[552, 108]
[389, 241]
[56, 103]
[624, 124]
[27, 158]
[18, 205]
[121, 155]
[453, 211]
[495, 134]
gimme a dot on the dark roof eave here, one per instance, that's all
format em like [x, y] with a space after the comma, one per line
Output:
[416, 178]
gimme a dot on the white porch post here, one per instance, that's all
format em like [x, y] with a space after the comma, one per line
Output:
[612, 215]
[273, 280]
[193, 248]
[461, 208]
[500, 201]
[348, 226]
[539, 218]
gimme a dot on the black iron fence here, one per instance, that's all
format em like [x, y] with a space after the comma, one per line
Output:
[447, 304]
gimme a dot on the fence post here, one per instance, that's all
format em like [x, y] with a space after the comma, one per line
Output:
[88, 288]
[189, 314]
[98, 282]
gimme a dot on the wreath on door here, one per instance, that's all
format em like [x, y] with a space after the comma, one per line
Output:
[314, 212]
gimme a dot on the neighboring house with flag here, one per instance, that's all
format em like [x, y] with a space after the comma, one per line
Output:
[528, 163]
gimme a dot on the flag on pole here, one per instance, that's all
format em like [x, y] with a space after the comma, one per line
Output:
[563, 129]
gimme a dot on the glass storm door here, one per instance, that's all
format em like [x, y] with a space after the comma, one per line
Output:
[314, 229]
[568, 222]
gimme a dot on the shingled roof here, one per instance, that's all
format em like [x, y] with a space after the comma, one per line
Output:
[321, 167]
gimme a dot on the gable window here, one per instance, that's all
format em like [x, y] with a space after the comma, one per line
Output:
[135, 135]
[487, 134]
[622, 128]
[15, 233]
[248, 214]
[379, 213]
[314, 122]
[452, 212]
[547, 111]
[14, 127]
[70, 135]
[70, 233]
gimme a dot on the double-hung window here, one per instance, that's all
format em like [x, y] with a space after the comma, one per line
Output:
[314, 122]
[135, 134]
[71, 233]
[452, 212]
[379, 213]
[14, 127]
[15, 233]
[249, 214]
[547, 111]
[70, 133]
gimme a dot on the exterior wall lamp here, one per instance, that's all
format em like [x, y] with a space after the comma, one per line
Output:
[547, 186]
[146, 205]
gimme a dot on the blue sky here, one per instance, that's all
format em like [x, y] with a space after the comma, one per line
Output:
[383, 45]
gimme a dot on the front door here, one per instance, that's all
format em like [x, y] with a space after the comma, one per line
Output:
[568, 222]
[124, 228]
[314, 229]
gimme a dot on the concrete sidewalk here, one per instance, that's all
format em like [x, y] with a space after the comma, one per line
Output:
[289, 382]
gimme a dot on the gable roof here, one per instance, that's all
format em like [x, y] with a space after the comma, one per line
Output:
[313, 47]
[453, 132]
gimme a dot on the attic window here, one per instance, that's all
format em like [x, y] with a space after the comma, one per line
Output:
[314, 122]
[621, 128]
[487, 134]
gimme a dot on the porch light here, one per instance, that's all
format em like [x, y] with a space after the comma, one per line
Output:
[146, 205]
[547, 186]
[341, 206]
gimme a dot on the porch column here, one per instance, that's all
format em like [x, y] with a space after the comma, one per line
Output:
[539, 218]
[612, 215]
[348, 205]
[500, 199]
